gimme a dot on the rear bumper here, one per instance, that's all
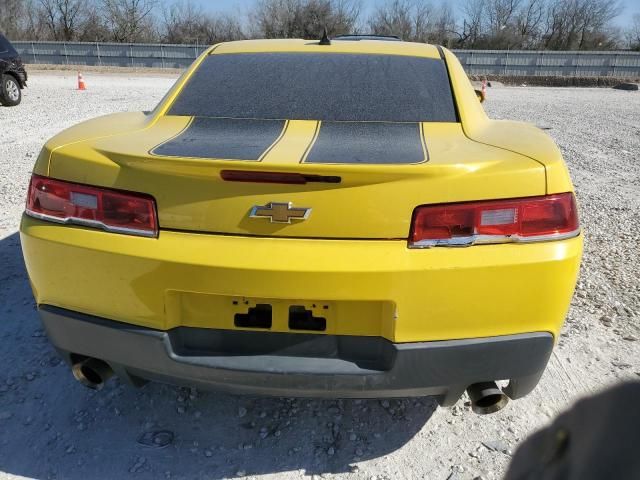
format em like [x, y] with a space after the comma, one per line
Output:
[300, 365]
[374, 288]
[22, 74]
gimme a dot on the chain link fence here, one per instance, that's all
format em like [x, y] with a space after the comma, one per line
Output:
[476, 62]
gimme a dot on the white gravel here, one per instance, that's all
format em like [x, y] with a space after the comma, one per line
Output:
[51, 427]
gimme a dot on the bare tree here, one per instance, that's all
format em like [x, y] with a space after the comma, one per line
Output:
[580, 24]
[223, 28]
[186, 22]
[12, 13]
[62, 17]
[304, 18]
[94, 27]
[473, 23]
[274, 18]
[444, 31]
[501, 14]
[131, 20]
[182, 22]
[394, 18]
[33, 26]
[550, 24]
[499, 24]
[411, 20]
[529, 22]
[633, 33]
[345, 16]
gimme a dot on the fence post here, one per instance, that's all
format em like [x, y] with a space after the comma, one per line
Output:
[615, 62]
[162, 54]
[506, 62]
[131, 53]
[66, 55]
[98, 53]
[33, 51]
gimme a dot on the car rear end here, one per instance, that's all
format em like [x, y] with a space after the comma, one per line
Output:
[327, 231]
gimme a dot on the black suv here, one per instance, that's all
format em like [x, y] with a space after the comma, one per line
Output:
[12, 74]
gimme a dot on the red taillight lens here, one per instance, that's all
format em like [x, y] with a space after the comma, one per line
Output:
[524, 219]
[110, 210]
[262, 177]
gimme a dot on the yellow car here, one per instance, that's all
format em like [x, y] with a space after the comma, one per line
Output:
[302, 218]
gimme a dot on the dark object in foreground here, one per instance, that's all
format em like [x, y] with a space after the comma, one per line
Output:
[13, 76]
[626, 86]
[597, 438]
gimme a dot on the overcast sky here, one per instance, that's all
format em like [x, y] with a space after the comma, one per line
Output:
[629, 7]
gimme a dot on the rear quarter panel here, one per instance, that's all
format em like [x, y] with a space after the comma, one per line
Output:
[520, 137]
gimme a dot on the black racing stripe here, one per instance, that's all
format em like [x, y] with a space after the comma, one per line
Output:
[223, 138]
[368, 143]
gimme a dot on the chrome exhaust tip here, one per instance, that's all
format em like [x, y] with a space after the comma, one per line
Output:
[92, 373]
[486, 397]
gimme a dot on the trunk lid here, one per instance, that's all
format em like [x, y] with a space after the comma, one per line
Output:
[366, 178]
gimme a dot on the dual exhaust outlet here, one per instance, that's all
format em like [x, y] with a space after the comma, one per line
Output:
[92, 373]
[486, 397]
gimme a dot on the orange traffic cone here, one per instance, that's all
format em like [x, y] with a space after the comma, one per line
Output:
[81, 85]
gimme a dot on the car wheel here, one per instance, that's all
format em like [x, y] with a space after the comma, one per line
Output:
[10, 94]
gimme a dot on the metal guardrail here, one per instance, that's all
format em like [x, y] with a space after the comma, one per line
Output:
[550, 63]
[109, 54]
[475, 62]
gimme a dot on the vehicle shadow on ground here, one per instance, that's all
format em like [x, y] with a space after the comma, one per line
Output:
[52, 427]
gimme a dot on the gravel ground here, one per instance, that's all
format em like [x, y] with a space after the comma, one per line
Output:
[51, 427]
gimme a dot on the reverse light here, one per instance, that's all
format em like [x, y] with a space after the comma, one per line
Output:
[531, 219]
[110, 210]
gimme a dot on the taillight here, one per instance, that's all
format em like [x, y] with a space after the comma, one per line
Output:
[275, 177]
[531, 219]
[110, 210]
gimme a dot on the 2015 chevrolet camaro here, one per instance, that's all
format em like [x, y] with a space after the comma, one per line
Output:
[307, 219]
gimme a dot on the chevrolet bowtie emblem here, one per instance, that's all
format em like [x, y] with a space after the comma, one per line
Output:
[280, 212]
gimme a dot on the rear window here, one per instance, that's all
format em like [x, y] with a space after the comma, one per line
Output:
[319, 86]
